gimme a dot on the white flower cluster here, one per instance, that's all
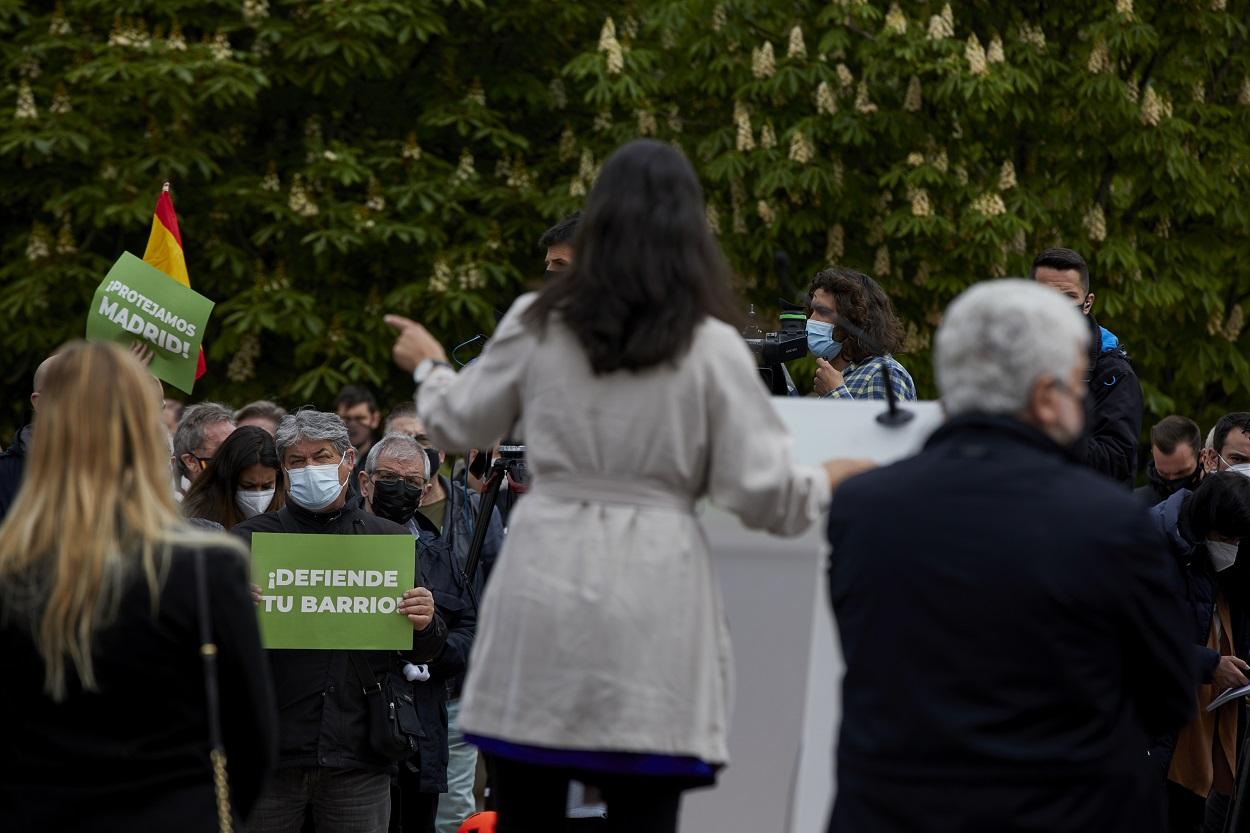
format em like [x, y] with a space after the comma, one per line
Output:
[1033, 35]
[476, 94]
[411, 150]
[1154, 107]
[766, 212]
[59, 24]
[995, 54]
[674, 119]
[465, 169]
[763, 63]
[915, 159]
[271, 182]
[568, 144]
[440, 280]
[895, 20]
[1124, 8]
[1236, 323]
[1200, 93]
[913, 101]
[603, 121]
[609, 45]
[220, 47]
[1163, 227]
[39, 244]
[797, 48]
[132, 33]
[826, 104]
[719, 17]
[60, 102]
[176, 42]
[1243, 96]
[713, 216]
[742, 121]
[1096, 223]
[989, 204]
[65, 240]
[255, 9]
[1007, 176]
[940, 161]
[1132, 91]
[26, 108]
[1218, 5]
[881, 263]
[862, 102]
[646, 123]
[942, 26]
[974, 53]
[471, 277]
[300, 202]
[801, 149]
[376, 201]
[920, 206]
[768, 138]
[630, 27]
[835, 244]
[1099, 58]
[845, 78]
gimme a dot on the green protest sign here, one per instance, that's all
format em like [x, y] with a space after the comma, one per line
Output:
[138, 302]
[333, 591]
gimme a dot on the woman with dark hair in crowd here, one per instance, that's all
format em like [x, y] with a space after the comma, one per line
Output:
[102, 590]
[602, 654]
[243, 479]
[850, 365]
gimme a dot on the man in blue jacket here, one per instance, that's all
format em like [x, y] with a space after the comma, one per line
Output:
[1010, 622]
[1113, 409]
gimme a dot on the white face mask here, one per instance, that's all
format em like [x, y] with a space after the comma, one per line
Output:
[316, 487]
[1223, 554]
[1241, 468]
[253, 503]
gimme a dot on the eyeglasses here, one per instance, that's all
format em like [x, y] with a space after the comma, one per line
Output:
[392, 477]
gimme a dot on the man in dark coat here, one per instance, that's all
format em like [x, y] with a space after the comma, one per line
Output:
[13, 458]
[1009, 619]
[1113, 409]
[1175, 460]
[395, 477]
[325, 758]
[1204, 529]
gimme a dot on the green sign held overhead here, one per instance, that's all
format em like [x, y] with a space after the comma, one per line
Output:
[333, 591]
[140, 303]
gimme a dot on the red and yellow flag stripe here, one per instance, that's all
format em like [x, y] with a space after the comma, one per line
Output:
[164, 250]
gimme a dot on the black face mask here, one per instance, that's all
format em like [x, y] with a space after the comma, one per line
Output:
[395, 500]
[549, 275]
[1171, 487]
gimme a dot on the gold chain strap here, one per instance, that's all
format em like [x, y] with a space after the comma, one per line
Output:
[225, 821]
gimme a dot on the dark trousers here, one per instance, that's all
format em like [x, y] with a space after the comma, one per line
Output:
[341, 801]
[1190, 813]
[532, 799]
[412, 811]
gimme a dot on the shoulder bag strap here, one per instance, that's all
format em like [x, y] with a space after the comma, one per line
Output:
[208, 653]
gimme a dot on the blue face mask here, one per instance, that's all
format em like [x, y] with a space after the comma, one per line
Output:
[820, 340]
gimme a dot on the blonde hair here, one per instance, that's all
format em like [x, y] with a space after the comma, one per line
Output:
[96, 502]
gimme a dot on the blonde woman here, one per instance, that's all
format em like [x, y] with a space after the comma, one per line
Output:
[103, 686]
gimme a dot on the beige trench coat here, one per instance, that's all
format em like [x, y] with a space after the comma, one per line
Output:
[602, 628]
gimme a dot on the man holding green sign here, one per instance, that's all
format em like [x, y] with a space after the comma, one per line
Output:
[139, 303]
[342, 612]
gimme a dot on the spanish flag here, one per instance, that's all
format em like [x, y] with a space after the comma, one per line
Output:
[164, 250]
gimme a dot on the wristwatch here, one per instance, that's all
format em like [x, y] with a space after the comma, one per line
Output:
[424, 368]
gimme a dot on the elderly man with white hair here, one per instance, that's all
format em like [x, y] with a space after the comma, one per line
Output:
[1008, 617]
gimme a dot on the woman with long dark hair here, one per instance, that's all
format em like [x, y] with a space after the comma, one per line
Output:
[602, 653]
[243, 479]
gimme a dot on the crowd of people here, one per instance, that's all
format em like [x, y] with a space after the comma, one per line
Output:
[1031, 643]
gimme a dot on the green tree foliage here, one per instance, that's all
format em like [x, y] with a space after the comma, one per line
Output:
[335, 160]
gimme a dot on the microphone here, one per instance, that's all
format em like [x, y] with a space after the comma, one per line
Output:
[894, 416]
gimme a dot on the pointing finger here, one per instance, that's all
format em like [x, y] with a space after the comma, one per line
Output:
[398, 322]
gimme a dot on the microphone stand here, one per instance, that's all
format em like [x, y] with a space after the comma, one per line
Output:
[894, 416]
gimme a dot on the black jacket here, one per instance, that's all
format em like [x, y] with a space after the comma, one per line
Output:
[1012, 638]
[1199, 585]
[12, 463]
[1157, 490]
[457, 607]
[133, 755]
[322, 711]
[1113, 409]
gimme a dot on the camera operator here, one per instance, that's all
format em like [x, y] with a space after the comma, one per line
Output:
[849, 368]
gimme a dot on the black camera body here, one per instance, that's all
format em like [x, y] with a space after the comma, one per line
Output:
[773, 350]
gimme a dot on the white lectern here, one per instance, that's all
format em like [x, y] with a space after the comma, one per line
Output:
[788, 666]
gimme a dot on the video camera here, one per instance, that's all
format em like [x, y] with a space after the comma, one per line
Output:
[773, 350]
